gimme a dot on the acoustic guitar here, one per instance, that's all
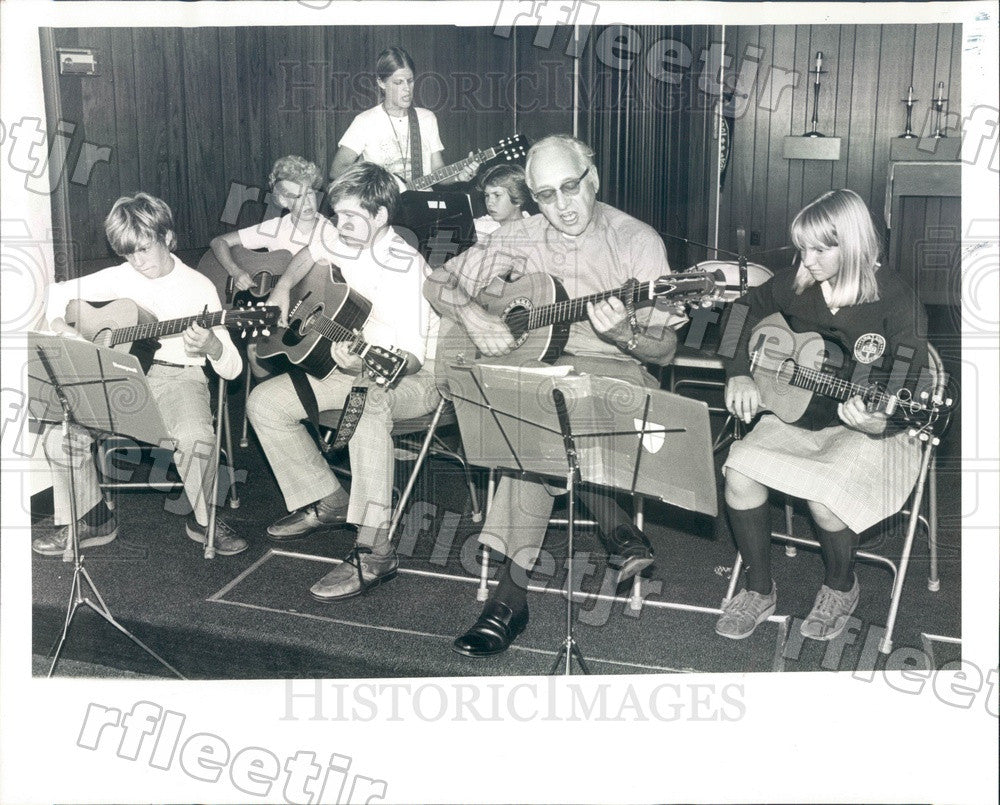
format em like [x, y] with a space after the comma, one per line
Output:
[510, 148]
[323, 312]
[264, 269]
[125, 326]
[538, 312]
[800, 383]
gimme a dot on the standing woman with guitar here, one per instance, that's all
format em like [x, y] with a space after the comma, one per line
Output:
[395, 134]
[854, 466]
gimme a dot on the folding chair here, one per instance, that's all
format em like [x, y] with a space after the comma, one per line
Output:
[483, 591]
[431, 443]
[110, 472]
[915, 513]
[698, 365]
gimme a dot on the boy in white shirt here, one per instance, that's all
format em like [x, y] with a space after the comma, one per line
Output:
[378, 264]
[140, 228]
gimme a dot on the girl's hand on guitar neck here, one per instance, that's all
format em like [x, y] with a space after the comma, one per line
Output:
[855, 414]
[742, 398]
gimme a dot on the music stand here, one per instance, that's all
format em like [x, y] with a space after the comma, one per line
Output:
[440, 223]
[531, 419]
[102, 390]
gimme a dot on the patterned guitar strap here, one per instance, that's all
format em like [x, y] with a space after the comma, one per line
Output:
[416, 155]
[354, 406]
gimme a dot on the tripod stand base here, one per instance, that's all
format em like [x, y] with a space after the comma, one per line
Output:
[567, 651]
[77, 598]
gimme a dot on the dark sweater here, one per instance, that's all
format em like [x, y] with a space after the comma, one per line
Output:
[897, 317]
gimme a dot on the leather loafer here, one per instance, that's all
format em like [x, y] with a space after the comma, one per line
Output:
[493, 633]
[629, 551]
[305, 521]
[360, 571]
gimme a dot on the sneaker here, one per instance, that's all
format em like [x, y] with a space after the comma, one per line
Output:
[744, 612]
[226, 541]
[54, 543]
[831, 612]
[303, 522]
[360, 571]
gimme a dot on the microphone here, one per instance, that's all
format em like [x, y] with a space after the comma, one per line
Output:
[559, 400]
[741, 235]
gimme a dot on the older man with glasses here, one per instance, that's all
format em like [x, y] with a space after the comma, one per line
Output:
[590, 247]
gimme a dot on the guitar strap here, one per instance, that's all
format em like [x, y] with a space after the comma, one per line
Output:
[416, 154]
[354, 406]
[304, 390]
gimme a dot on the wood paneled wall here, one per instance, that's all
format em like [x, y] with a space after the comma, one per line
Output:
[190, 113]
[870, 68]
[652, 128]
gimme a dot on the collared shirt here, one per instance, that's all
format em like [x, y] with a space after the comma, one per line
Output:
[614, 248]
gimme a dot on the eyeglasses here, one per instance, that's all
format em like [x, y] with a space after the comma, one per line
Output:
[570, 188]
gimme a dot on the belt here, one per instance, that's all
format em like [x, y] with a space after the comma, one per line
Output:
[158, 362]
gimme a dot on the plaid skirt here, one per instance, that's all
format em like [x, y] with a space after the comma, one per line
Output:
[860, 479]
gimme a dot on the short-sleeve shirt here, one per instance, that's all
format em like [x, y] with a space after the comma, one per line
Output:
[613, 249]
[275, 234]
[384, 140]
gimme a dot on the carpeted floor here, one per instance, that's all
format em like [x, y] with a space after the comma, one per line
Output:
[250, 616]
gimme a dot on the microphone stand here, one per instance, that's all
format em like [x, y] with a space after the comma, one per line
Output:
[569, 649]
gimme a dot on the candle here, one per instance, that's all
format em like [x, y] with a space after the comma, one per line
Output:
[909, 98]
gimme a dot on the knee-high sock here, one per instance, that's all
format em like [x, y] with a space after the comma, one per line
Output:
[509, 589]
[752, 532]
[839, 549]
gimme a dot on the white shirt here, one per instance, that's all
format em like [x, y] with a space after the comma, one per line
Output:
[385, 141]
[390, 274]
[181, 293]
[485, 225]
[275, 234]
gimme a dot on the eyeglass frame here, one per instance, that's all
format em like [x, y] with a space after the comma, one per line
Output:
[542, 197]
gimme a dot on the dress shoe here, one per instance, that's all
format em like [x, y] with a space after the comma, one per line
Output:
[89, 536]
[360, 571]
[226, 541]
[307, 520]
[495, 630]
[630, 551]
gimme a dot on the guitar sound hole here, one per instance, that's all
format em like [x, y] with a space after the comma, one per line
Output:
[786, 371]
[517, 322]
[291, 336]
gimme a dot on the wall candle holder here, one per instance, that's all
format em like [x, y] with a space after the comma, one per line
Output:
[939, 103]
[817, 71]
[909, 100]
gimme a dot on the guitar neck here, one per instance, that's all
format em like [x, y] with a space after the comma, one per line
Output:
[570, 310]
[337, 333]
[829, 385]
[450, 171]
[160, 329]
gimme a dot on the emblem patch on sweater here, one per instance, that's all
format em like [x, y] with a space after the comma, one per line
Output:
[869, 348]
